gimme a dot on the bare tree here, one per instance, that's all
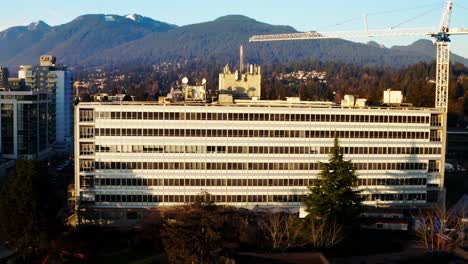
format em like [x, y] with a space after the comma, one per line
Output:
[324, 234]
[284, 230]
[439, 229]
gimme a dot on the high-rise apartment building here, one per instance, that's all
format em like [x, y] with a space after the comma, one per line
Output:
[140, 155]
[58, 80]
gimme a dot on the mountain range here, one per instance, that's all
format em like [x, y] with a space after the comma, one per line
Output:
[98, 39]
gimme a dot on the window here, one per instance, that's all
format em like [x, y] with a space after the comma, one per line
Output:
[86, 165]
[86, 132]
[86, 115]
[86, 148]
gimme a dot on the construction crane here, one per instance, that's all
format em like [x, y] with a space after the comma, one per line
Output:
[441, 36]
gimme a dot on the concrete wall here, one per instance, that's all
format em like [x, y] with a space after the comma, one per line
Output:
[64, 113]
[248, 85]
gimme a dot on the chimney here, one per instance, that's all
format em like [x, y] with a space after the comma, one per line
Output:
[241, 68]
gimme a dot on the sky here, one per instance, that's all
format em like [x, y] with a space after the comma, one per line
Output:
[303, 15]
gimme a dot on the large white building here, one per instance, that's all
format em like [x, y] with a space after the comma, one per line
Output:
[251, 153]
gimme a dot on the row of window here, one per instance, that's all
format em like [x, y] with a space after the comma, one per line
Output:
[203, 182]
[116, 198]
[391, 182]
[90, 148]
[286, 117]
[148, 132]
[394, 197]
[248, 182]
[90, 165]
[192, 198]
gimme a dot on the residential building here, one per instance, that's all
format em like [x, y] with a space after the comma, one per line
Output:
[251, 153]
[58, 80]
[15, 84]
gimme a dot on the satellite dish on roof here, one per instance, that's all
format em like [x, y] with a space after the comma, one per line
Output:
[203, 81]
[185, 80]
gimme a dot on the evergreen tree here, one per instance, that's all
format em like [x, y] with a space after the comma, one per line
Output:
[28, 210]
[127, 98]
[333, 197]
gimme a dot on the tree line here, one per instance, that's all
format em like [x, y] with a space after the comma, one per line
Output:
[417, 82]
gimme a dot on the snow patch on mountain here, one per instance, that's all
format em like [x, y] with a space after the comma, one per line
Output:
[109, 18]
[133, 17]
[37, 25]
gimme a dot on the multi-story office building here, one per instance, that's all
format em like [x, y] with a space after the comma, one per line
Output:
[251, 153]
[58, 80]
[25, 124]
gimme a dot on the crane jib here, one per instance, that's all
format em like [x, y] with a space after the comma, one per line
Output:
[441, 36]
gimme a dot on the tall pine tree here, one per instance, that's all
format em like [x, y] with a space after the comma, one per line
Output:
[28, 208]
[333, 197]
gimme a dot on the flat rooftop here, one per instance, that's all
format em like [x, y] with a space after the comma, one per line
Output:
[267, 103]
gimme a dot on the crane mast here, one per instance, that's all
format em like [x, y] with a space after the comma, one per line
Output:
[442, 77]
[443, 59]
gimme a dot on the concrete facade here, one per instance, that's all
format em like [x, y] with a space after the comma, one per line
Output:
[242, 84]
[260, 153]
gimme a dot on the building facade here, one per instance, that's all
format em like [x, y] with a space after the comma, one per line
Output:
[248, 154]
[4, 74]
[244, 83]
[58, 80]
[25, 124]
[457, 147]
[37, 112]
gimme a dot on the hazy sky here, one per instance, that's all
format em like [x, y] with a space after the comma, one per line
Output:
[304, 15]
